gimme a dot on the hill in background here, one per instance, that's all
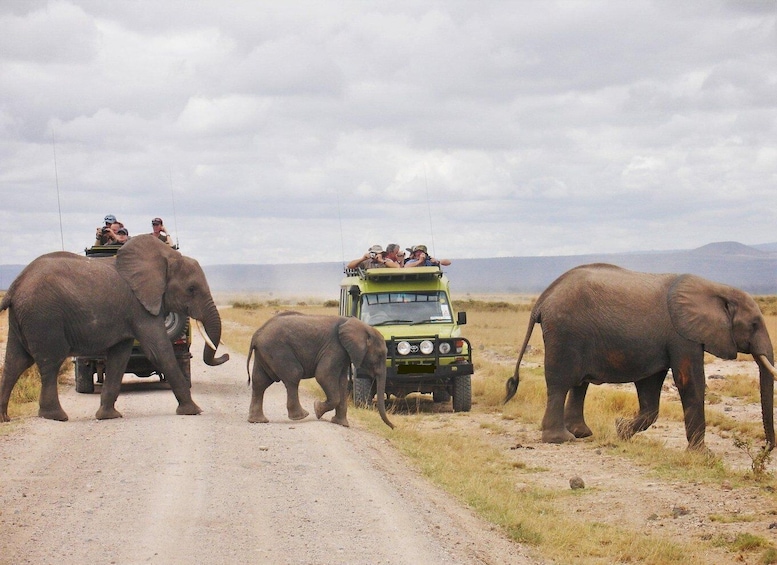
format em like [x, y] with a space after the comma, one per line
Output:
[751, 268]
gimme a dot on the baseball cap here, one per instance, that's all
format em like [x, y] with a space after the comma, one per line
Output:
[376, 249]
[157, 221]
[122, 231]
[110, 218]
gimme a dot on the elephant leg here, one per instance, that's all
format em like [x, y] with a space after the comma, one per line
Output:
[293, 407]
[48, 404]
[335, 398]
[553, 429]
[17, 360]
[260, 380]
[574, 421]
[157, 347]
[690, 381]
[115, 363]
[648, 394]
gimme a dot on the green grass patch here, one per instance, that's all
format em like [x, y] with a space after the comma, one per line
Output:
[472, 305]
[742, 543]
[504, 490]
[487, 480]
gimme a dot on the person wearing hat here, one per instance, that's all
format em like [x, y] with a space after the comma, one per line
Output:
[373, 259]
[161, 232]
[419, 257]
[122, 235]
[105, 234]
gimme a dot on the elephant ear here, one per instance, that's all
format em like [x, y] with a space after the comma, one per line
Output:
[143, 263]
[354, 339]
[702, 311]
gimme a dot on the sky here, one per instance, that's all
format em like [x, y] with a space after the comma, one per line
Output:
[290, 132]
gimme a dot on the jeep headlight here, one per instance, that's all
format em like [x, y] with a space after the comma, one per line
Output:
[403, 348]
[426, 347]
[445, 348]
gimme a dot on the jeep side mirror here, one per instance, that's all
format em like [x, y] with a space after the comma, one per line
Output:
[354, 292]
[461, 318]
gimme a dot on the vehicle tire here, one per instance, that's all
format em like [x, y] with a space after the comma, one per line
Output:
[84, 377]
[441, 396]
[462, 393]
[363, 391]
[174, 324]
[186, 369]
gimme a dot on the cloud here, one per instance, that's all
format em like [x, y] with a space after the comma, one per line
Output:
[307, 131]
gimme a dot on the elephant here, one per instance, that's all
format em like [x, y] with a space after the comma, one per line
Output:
[63, 304]
[605, 324]
[292, 346]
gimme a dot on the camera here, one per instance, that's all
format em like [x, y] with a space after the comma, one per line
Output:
[373, 255]
[105, 230]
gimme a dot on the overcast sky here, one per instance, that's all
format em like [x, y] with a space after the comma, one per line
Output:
[287, 132]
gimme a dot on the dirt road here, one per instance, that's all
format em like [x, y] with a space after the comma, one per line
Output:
[154, 487]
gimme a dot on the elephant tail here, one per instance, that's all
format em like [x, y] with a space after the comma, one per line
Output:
[511, 385]
[248, 362]
[5, 303]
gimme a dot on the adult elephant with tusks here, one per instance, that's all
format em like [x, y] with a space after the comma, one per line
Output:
[604, 324]
[291, 346]
[63, 304]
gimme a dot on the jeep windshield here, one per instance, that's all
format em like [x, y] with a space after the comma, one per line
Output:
[388, 308]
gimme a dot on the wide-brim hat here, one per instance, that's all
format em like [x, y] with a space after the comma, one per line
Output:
[376, 249]
[417, 248]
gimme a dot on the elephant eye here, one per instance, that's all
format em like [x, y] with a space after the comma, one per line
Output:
[192, 289]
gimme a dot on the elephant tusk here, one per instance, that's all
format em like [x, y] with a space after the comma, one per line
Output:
[204, 335]
[762, 358]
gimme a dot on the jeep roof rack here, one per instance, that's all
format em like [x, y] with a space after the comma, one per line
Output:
[102, 250]
[393, 275]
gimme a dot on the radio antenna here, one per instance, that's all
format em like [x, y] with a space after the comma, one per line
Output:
[429, 208]
[340, 219]
[59, 201]
[175, 215]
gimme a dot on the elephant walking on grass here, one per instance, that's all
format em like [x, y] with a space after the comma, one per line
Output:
[63, 304]
[604, 324]
[292, 346]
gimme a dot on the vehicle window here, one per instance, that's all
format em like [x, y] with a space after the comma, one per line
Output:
[386, 308]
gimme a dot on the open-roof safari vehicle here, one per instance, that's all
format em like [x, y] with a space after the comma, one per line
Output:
[413, 310]
[178, 329]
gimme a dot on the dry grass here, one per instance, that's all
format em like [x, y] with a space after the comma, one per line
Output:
[462, 460]
[24, 397]
[467, 465]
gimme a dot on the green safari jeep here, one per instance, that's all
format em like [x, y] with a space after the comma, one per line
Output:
[413, 310]
[89, 369]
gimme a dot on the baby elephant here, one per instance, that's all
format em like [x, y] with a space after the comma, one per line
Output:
[292, 346]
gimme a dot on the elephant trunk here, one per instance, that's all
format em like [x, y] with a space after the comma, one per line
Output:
[212, 323]
[767, 375]
[381, 394]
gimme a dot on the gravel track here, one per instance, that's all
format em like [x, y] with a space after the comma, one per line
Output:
[154, 487]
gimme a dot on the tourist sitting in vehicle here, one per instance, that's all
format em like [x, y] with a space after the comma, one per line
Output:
[419, 257]
[109, 235]
[373, 259]
[394, 257]
[106, 234]
[159, 230]
[122, 235]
